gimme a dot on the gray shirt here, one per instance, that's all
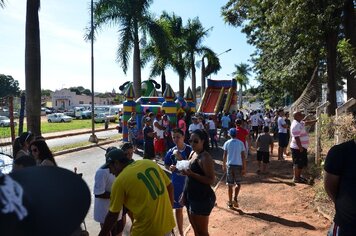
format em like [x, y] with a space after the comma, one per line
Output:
[264, 141]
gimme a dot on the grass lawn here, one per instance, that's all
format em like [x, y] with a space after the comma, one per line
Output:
[55, 127]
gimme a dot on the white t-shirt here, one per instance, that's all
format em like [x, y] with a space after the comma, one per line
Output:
[267, 121]
[254, 120]
[159, 132]
[298, 130]
[193, 127]
[102, 183]
[211, 124]
[281, 122]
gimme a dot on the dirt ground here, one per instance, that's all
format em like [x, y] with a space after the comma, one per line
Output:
[270, 204]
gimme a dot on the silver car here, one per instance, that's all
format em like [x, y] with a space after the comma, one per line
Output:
[5, 121]
[58, 117]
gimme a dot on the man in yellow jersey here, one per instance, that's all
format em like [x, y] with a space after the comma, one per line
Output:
[146, 191]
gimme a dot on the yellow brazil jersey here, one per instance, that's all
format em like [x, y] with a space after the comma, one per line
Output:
[141, 187]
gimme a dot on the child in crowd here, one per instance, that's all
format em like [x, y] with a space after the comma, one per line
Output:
[263, 142]
[234, 163]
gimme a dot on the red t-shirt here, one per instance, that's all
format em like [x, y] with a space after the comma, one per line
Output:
[241, 134]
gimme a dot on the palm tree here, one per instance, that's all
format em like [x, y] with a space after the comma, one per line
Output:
[241, 75]
[133, 18]
[158, 51]
[213, 66]
[33, 67]
[195, 34]
[176, 34]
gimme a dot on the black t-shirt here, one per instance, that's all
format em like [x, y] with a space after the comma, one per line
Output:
[341, 161]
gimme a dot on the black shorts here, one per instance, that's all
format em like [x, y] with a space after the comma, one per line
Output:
[300, 159]
[202, 207]
[282, 140]
[263, 156]
[255, 129]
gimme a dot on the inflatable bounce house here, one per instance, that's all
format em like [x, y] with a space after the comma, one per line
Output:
[168, 102]
[219, 96]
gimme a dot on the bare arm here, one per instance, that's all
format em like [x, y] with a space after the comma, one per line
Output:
[110, 220]
[224, 160]
[331, 185]
[299, 144]
[171, 193]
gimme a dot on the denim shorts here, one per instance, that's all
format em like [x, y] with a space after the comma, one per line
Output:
[234, 174]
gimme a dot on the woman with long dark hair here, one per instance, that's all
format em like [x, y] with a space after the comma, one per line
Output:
[41, 152]
[21, 145]
[198, 196]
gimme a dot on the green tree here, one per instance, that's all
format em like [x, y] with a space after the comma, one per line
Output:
[176, 34]
[46, 92]
[157, 51]
[212, 67]
[134, 20]
[241, 74]
[288, 53]
[195, 33]
[33, 67]
[8, 86]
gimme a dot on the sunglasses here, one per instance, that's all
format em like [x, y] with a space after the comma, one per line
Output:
[193, 141]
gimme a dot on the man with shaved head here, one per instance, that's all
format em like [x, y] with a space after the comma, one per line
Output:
[299, 145]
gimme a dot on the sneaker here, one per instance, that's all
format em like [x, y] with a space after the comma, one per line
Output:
[229, 205]
[300, 180]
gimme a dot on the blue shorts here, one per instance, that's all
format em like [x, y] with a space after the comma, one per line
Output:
[202, 207]
[282, 140]
[234, 174]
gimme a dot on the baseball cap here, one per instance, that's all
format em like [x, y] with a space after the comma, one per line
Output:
[108, 150]
[115, 155]
[42, 200]
[232, 132]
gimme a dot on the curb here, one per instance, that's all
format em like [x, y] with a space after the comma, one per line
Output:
[70, 133]
[84, 147]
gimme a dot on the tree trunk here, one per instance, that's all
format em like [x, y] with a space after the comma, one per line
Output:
[163, 81]
[350, 34]
[194, 80]
[136, 64]
[202, 78]
[33, 68]
[331, 42]
[240, 96]
[181, 86]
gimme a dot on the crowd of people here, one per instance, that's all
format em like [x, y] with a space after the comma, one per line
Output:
[154, 203]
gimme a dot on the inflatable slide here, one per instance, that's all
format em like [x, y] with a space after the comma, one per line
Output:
[219, 96]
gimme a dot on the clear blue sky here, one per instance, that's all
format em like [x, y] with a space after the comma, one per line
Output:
[66, 56]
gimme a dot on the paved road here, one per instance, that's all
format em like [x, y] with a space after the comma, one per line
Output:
[87, 162]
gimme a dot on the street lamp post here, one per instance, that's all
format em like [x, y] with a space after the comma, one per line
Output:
[92, 137]
[203, 72]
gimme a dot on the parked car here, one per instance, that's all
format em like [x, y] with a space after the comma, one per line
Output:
[58, 117]
[5, 121]
[100, 118]
[86, 114]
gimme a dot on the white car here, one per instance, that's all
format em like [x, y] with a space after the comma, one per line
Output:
[58, 117]
[5, 121]
[100, 118]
